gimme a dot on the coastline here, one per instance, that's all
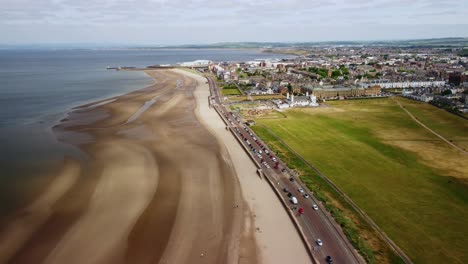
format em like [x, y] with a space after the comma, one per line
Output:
[210, 210]
[277, 243]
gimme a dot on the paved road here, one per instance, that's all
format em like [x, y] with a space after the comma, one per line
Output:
[316, 224]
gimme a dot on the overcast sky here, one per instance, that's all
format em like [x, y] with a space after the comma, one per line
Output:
[209, 21]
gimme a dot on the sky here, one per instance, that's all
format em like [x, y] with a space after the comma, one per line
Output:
[173, 22]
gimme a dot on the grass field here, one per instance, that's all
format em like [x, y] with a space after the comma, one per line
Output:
[412, 184]
[229, 89]
[257, 97]
[234, 91]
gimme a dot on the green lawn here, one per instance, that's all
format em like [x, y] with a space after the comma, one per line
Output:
[449, 126]
[231, 92]
[230, 89]
[371, 150]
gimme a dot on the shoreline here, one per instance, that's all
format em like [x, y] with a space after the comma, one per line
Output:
[117, 150]
[211, 201]
[276, 243]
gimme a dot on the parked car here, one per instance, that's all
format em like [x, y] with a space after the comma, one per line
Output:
[306, 196]
[300, 190]
[289, 194]
[293, 200]
[319, 242]
[329, 259]
[291, 179]
[285, 190]
[315, 207]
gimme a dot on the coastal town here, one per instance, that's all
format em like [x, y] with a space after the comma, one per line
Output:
[233, 132]
[438, 76]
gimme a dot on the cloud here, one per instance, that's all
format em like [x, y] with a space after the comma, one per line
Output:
[246, 19]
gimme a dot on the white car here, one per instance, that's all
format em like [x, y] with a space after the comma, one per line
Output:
[315, 207]
[300, 190]
[293, 200]
[319, 242]
[306, 196]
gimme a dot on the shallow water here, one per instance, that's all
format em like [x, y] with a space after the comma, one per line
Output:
[38, 88]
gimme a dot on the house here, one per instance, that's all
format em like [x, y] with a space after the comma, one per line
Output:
[427, 97]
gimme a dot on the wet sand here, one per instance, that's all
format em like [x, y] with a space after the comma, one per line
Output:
[157, 185]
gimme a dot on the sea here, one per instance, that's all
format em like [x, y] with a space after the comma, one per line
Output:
[38, 88]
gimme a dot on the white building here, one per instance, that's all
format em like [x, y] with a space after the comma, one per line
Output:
[414, 84]
[308, 100]
[196, 63]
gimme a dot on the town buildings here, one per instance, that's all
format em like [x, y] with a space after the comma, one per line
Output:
[329, 73]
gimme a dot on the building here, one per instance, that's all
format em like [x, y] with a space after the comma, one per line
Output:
[334, 92]
[307, 100]
[385, 84]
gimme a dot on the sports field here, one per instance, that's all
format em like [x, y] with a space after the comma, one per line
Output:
[410, 182]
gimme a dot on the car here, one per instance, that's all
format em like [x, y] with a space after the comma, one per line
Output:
[268, 166]
[283, 170]
[329, 259]
[291, 179]
[315, 207]
[260, 151]
[293, 200]
[319, 242]
[289, 194]
[306, 196]
[285, 190]
[300, 190]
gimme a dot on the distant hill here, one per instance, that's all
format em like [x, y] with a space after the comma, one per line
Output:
[417, 43]
[435, 42]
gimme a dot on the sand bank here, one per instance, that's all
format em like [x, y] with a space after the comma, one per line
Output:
[161, 184]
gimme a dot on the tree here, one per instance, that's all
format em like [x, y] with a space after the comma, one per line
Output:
[446, 92]
[290, 89]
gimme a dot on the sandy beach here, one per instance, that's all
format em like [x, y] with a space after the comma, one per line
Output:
[162, 182]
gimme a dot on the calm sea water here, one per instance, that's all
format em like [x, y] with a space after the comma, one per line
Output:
[38, 87]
